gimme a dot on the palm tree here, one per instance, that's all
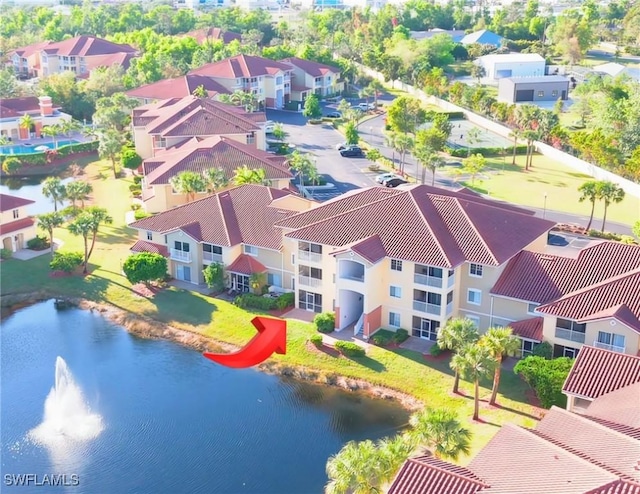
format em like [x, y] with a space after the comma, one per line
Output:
[404, 143]
[301, 164]
[54, 189]
[279, 133]
[48, 222]
[245, 175]
[516, 134]
[216, 178]
[474, 362]
[27, 122]
[589, 191]
[455, 335]
[428, 158]
[87, 224]
[200, 92]
[376, 86]
[609, 192]
[68, 126]
[355, 469]
[79, 190]
[500, 342]
[111, 141]
[440, 431]
[366, 92]
[393, 452]
[189, 183]
[51, 131]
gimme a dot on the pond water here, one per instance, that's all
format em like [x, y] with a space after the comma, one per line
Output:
[157, 417]
[30, 188]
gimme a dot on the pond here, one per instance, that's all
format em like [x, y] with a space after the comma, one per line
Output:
[30, 188]
[156, 417]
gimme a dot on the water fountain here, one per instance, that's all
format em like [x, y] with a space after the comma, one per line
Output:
[67, 418]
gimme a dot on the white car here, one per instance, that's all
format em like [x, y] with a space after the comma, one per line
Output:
[366, 107]
[386, 176]
[269, 126]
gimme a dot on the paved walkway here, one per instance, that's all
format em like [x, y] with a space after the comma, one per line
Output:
[417, 345]
[191, 287]
[28, 254]
[299, 315]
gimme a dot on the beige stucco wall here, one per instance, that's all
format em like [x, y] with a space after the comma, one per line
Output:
[7, 240]
[143, 142]
[490, 275]
[507, 310]
[7, 216]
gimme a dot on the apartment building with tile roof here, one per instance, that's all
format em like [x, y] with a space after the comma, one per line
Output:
[178, 87]
[16, 226]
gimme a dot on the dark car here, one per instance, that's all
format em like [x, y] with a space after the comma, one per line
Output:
[351, 151]
[394, 182]
[333, 114]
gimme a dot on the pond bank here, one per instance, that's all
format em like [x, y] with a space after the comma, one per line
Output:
[145, 327]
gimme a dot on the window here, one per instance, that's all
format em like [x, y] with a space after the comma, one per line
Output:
[182, 246]
[475, 270]
[526, 348]
[251, 250]
[16, 214]
[571, 325]
[394, 319]
[449, 297]
[166, 240]
[251, 138]
[396, 265]
[213, 249]
[395, 291]
[569, 352]
[279, 80]
[474, 319]
[531, 308]
[274, 280]
[309, 247]
[149, 235]
[554, 93]
[293, 258]
[474, 296]
[610, 341]
[310, 301]
[540, 94]
[309, 272]
[428, 271]
[425, 328]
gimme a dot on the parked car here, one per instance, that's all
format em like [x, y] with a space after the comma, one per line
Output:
[269, 126]
[333, 114]
[386, 176]
[353, 151]
[394, 182]
[367, 106]
[341, 146]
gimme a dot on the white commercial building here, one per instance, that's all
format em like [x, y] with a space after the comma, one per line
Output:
[512, 65]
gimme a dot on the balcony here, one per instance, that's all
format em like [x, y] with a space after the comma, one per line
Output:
[605, 346]
[449, 308]
[309, 281]
[425, 307]
[211, 257]
[351, 270]
[567, 334]
[423, 279]
[180, 255]
[305, 255]
[451, 280]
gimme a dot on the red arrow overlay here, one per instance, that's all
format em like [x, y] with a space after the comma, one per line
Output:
[271, 337]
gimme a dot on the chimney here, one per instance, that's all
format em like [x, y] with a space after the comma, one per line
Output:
[46, 106]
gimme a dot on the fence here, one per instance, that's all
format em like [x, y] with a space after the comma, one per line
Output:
[571, 161]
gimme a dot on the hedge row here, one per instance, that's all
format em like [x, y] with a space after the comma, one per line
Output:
[453, 115]
[495, 151]
[252, 301]
[349, 349]
[61, 152]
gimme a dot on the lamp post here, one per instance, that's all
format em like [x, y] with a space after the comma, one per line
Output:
[544, 211]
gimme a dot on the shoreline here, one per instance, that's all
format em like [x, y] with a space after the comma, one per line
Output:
[147, 328]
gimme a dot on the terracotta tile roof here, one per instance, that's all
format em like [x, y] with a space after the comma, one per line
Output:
[312, 68]
[227, 218]
[621, 406]
[27, 51]
[214, 152]
[299, 87]
[17, 225]
[7, 202]
[178, 87]
[611, 450]
[245, 264]
[11, 107]
[212, 34]
[86, 46]
[241, 66]
[517, 460]
[528, 328]
[596, 372]
[540, 278]
[121, 59]
[372, 249]
[617, 487]
[428, 475]
[145, 246]
[452, 228]
[617, 297]
[633, 432]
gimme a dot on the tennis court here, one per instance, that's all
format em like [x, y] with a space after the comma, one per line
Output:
[462, 136]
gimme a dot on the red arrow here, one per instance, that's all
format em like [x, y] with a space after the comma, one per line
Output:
[271, 337]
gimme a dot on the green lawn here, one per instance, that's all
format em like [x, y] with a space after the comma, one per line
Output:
[406, 371]
[502, 180]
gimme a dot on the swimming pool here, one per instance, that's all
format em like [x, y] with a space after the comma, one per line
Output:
[32, 148]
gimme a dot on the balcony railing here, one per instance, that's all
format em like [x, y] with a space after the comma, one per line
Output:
[211, 257]
[180, 255]
[423, 279]
[568, 334]
[425, 307]
[352, 277]
[605, 346]
[449, 308]
[309, 281]
[451, 280]
[305, 255]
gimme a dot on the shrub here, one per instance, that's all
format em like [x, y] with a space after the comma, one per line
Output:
[546, 378]
[285, 300]
[11, 165]
[316, 339]
[135, 189]
[137, 179]
[252, 301]
[314, 121]
[374, 167]
[381, 339]
[489, 151]
[139, 214]
[435, 350]
[627, 239]
[401, 336]
[325, 322]
[38, 243]
[214, 276]
[5, 253]
[135, 206]
[145, 267]
[66, 261]
[350, 349]
[544, 350]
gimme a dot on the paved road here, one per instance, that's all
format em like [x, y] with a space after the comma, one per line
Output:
[352, 173]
